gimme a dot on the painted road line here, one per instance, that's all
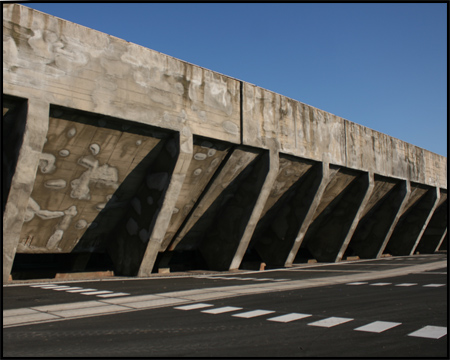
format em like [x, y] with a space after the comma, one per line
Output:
[113, 295]
[193, 306]
[69, 288]
[62, 288]
[430, 332]
[434, 285]
[81, 290]
[406, 284]
[289, 317]
[154, 303]
[357, 283]
[378, 326]
[281, 279]
[253, 313]
[96, 292]
[221, 310]
[330, 322]
[380, 284]
[44, 286]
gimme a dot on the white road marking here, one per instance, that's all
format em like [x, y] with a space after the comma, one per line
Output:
[44, 286]
[113, 295]
[378, 326]
[331, 321]
[430, 332]
[154, 303]
[289, 317]
[253, 313]
[221, 310]
[380, 284]
[60, 288]
[406, 284]
[193, 306]
[67, 288]
[81, 290]
[357, 283]
[434, 285]
[96, 292]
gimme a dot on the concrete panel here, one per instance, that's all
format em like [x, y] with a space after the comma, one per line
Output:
[70, 65]
[413, 221]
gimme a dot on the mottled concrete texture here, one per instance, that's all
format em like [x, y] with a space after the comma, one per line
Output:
[115, 149]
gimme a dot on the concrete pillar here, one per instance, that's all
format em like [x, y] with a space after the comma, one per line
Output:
[412, 224]
[326, 236]
[323, 176]
[436, 228]
[233, 211]
[163, 219]
[375, 226]
[23, 179]
[443, 243]
[233, 168]
[370, 186]
[257, 210]
[403, 196]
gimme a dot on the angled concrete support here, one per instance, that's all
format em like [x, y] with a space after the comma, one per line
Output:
[22, 182]
[443, 243]
[402, 196]
[363, 204]
[412, 224]
[257, 210]
[329, 231]
[378, 222]
[436, 228]
[235, 213]
[162, 221]
[324, 176]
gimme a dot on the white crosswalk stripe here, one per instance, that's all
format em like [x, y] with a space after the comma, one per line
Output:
[193, 306]
[434, 285]
[406, 284]
[330, 322]
[430, 332]
[289, 317]
[380, 284]
[221, 310]
[378, 326]
[82, 291]
[253, 313]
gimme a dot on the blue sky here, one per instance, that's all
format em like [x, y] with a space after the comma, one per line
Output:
[381, 65]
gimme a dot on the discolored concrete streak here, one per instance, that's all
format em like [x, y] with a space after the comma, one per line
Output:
[115, 150]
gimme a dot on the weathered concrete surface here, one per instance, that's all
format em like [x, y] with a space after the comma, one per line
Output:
[153, 163]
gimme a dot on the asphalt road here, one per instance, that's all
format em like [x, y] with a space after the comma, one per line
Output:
[327, 310]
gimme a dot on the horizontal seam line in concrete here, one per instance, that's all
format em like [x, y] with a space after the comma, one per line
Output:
[227, 291]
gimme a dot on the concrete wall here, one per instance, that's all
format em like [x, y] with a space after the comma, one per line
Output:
[117, 149]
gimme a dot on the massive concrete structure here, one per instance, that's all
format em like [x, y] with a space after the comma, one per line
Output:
[116, 154]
